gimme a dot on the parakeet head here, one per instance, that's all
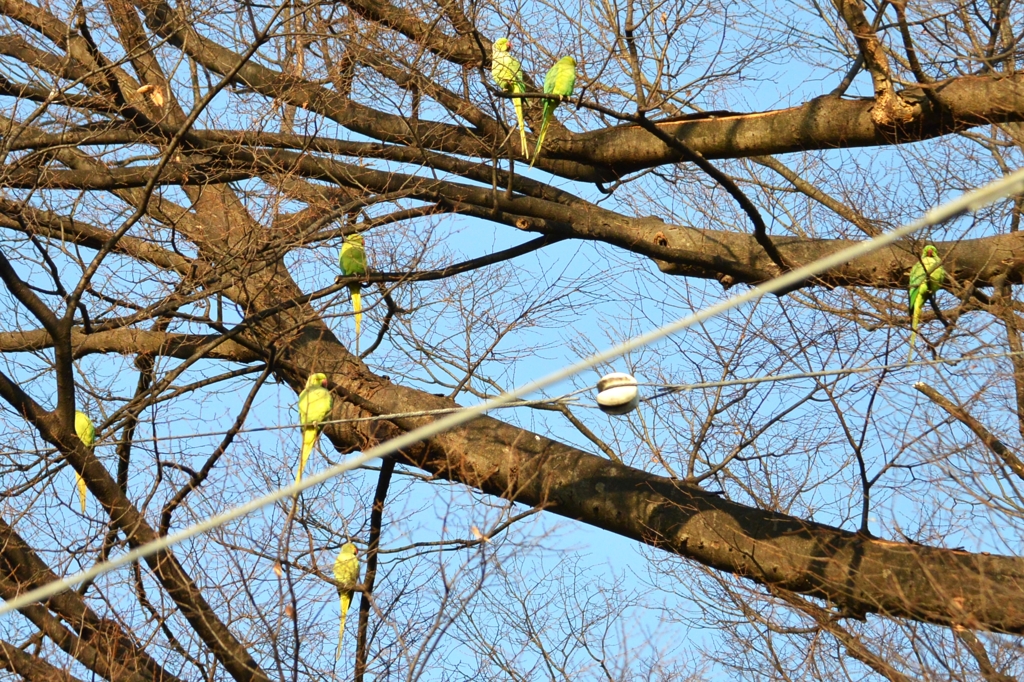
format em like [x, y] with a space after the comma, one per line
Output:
[349, 548]
[355, 239]
[318, 379]
[502, 45]
[570, 60]
[930, 251]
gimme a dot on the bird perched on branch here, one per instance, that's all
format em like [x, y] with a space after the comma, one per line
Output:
[315, 404]
[352, 261]
[508, 74]
[926, 277]
[346, 573]
[560, 80]
[87, 434]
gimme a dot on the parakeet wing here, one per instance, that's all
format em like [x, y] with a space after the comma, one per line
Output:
[314, 404]
[508, 74]
[346, 566]
[352, 261]
[505, 69]
[936, 273]
[353, 256]
[550, 77]
[565, 77]
[926, 277]
[346, 572]
[560, 80]
[85, 429]
[917, 277]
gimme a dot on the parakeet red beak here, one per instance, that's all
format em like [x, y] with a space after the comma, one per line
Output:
[324, 383]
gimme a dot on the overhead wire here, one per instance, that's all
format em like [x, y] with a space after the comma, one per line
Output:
[677, 388]
[971, 201]
[562, 399]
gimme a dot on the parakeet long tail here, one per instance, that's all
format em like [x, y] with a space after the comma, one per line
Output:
[80, 482]
[346, 601]
[518, 102]
[309, 436]
[549, 110]
[915, 320]
[357, 305]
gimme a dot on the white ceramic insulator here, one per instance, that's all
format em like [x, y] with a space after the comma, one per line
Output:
[617, 393]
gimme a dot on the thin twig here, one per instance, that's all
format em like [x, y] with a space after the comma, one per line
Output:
[996, 446]
[695, 157]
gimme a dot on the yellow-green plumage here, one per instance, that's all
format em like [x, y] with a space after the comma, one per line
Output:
[508, 74]
[560, 80]
[315, 404]
[352, 261]
[346, 573]
[926, 277]
[87, 434]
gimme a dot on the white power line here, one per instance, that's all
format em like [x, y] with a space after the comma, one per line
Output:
[678, 388]
[972, 201]
[566, 399]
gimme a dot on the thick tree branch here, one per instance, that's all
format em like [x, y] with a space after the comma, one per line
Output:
[679, 250]
[180, 174]
[889, 110]
[855, 572]
[604, 155]
[126, 342]
[31, 668]
[466, 50]
[822, 123]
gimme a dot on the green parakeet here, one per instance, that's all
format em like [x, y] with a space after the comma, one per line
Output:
[346, 572]
[87, 434]
[508, 74]
[926, 277]
[560, 80]
[352, 261]
[315, 404]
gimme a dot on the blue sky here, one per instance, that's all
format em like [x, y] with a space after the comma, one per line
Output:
[584, 296]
